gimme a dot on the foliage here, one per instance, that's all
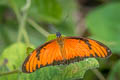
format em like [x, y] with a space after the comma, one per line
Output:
[14, 54]
[26, 22]
[72, 71]
[115, 72]
[104, 25]
[63, 72]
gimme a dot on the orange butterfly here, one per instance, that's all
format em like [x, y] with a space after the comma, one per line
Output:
[64, 50]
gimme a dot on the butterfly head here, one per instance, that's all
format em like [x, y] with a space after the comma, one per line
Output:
[58, 34]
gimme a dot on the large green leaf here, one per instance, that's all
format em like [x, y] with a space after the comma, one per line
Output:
[11, 59]
[63, 72]
[9, 77]
[15, 55]
[104, 24]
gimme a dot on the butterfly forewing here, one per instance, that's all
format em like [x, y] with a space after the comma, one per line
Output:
[45, 55]
[84, 47]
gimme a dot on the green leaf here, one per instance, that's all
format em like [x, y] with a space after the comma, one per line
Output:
[15, 54]
[10, 77]
[63, 72]
[52, 36]
[104, 24]
[29, 50]
[115, 72]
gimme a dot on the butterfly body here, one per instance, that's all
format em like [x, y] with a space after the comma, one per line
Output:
[64, 50]
[60, 42]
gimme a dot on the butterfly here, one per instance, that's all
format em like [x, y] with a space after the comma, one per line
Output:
[64, 50]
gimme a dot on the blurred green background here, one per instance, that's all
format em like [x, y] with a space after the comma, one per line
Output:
[28, 23]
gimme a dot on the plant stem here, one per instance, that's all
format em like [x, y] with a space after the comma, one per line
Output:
[21, 27]
[11, 72]
[98, 74]
[21, 19]
[38, 28]
[22, 23]
[26, 36]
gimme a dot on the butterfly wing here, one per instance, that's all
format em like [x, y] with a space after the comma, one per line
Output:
[77, 48]
[45, 55]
